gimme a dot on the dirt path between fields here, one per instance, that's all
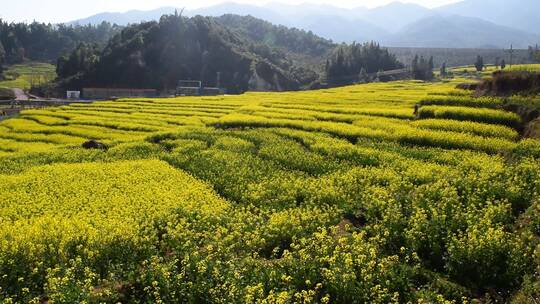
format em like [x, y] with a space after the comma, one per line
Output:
[20, 94]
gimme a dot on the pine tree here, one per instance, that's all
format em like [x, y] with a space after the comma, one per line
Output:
[422, 69]
[350, 63]
[363, 75]
[429, 72]
[415, 67]
[423, 66]
[2, 57]
[443, 69]
[479, 64]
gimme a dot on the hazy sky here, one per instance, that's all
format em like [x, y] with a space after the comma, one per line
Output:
[68, 10]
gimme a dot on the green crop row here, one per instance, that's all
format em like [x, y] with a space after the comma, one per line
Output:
[463, 101]
[327, 196]
[471, 114]
[480, 129]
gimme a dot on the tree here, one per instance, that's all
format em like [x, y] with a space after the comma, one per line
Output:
[430, 68]
[422, 69]
[503, 64]
[479, 64]
[534, 53]
[363, 75]
[352, 63]
[2, 58]
[80, 60]
[416, 68]
[443, 69]
[47, 42]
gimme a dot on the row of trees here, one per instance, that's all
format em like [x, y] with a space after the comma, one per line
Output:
[534, 53]
[78, 61]
[422, 69]
[480, 66]
[47, 42]
[349, 63]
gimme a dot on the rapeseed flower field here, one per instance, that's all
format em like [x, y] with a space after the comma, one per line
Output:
[332, 196]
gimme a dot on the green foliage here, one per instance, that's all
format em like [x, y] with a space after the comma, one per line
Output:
[471, 114]
[528, 148]
[462, 101]
[25, 76]
[305, 46]
[422, 69]
[81, 59]
[347, 62]
[530, 292]
[158, 54]
[479, 64]
[480, 129]
[46, 42]
[6, 94]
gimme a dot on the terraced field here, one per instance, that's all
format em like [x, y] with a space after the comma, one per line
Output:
[23, 76]
[334, 196]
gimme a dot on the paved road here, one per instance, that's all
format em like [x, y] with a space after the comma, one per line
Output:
[20, 95]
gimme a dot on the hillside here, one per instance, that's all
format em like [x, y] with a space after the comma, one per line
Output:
[24, 76]
[329, 196]
[305, 48]
[158, 54]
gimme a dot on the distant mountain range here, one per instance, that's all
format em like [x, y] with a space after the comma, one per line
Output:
[466, 24]
[520, 14]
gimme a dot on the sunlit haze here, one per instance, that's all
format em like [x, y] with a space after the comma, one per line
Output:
[67, 10]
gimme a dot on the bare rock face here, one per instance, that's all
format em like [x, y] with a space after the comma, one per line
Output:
[92, 144]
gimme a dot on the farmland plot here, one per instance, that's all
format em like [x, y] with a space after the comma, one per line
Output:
[331, 196]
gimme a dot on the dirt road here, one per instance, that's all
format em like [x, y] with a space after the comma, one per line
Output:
[19, 94]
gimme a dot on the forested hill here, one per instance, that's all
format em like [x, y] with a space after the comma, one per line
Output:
[47, 42]
[300, 45]
[249, 54]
